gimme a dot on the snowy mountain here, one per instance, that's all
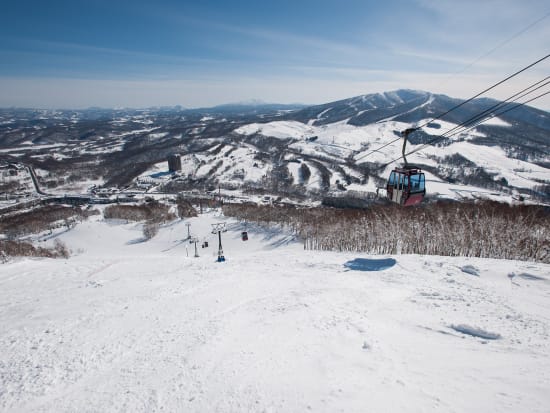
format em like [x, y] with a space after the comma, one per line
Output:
[335, 149]
[411, 106]
[253, 106]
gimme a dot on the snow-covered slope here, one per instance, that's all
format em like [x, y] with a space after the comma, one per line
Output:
[128, 325]
[378, 143]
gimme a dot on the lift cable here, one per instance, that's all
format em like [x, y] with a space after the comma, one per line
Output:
[469, 128]
[502, 112]
[514, 98]
[508, 40]
[377, 149]
[486, 90]
[460, 104]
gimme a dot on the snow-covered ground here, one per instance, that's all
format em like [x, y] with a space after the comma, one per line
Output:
[378, 142]
[129, 325]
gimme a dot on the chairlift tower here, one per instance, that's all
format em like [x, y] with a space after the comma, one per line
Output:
[188, 224]
[194, 240]
[219, 228]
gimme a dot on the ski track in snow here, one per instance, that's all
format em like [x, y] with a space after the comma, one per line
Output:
[124, 327]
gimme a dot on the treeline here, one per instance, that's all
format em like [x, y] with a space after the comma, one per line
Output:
[153, 213]
[11, 248]
[43, 218]
[476, 229]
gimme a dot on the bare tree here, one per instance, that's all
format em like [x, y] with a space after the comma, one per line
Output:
[483, 229]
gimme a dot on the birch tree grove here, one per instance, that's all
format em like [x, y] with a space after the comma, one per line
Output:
[477, 229]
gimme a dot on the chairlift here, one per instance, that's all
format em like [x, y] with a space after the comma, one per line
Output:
[406, 185]
[244, 236]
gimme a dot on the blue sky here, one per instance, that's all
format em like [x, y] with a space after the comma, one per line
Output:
[138, 53]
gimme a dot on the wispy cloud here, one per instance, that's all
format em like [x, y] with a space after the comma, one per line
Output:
[306, 43]
[56, 47]
[206, 55]
[266, 41]
[453, 60]
[471, 23]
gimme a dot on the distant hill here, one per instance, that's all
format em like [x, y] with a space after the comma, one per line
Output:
[410, 106]
[251, 108]
[288, 150]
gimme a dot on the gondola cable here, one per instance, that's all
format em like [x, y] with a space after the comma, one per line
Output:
[486, 90]
[460, 104]
[508, 40]
[470, 127]
[500, 113]
[502, 104]
[406, 185]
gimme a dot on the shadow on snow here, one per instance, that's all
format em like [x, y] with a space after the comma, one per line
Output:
[275, 237]
[366, 264]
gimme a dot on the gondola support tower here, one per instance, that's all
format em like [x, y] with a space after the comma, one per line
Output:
[219, 228]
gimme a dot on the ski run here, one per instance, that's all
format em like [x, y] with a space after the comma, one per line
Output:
[128, 325]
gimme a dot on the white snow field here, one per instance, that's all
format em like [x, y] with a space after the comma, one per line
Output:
[127, 325]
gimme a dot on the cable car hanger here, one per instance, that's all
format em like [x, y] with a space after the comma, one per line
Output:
[405, 135]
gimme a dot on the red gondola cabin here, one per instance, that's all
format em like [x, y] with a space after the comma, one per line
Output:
[406, 186]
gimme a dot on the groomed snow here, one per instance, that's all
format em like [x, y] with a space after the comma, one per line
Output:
[128, 325]
[279, 129]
